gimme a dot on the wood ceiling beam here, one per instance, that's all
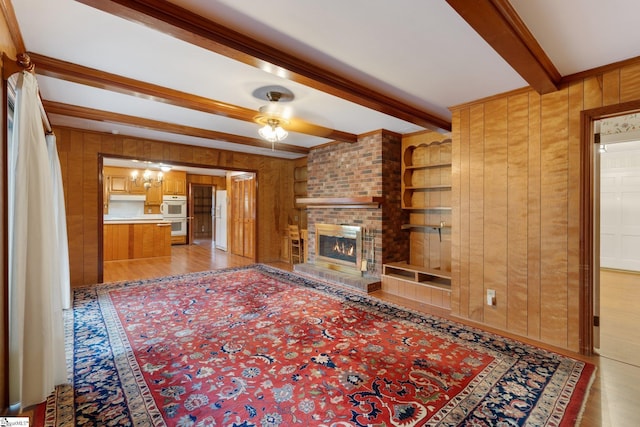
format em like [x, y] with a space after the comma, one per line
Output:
[110, 117]
[192, 28]
[499, 25]
[89, 76]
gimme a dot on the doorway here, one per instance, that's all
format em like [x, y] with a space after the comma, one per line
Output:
[203, 219]
[617, 239]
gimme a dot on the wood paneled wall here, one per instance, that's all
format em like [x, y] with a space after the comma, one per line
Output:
[79, 151]
[516, 197]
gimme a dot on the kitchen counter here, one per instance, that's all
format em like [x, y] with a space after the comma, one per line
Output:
[135, 237]
[136, 221]
[144, 219]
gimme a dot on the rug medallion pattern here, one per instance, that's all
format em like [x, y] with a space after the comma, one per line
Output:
[262, 347]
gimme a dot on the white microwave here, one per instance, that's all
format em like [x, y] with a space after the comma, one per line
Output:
[174, 207]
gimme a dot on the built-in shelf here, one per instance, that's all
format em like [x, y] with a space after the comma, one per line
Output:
[430, 187]
[434, 226]
[429, 166]
[341, 202]
[428, 208]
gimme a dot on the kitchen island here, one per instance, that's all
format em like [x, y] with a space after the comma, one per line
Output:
[136, 237]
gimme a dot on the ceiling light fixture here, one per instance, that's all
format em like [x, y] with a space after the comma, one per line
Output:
[272, 116]
[272, 131]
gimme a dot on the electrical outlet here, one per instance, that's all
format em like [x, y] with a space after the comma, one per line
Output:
[491, 297]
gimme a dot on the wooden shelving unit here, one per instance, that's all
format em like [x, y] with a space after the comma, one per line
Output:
[426, 195]
[429, 286]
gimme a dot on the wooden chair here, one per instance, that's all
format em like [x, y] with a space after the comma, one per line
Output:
[296, 249]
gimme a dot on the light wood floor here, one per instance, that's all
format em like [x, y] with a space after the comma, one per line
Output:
[620, 316]
[614, 396]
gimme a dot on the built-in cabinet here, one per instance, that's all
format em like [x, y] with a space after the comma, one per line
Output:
[175, 183]
[426, 195]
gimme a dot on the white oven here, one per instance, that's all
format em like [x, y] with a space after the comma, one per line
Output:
[173, 207]
[178, 226]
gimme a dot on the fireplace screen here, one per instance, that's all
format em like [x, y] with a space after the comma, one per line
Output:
[340, 248]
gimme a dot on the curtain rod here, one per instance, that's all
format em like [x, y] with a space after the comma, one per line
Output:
[23, 62]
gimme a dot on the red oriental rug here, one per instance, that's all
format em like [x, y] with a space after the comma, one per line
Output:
[258, 346]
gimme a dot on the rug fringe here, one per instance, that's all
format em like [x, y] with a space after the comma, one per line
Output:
[587, 391]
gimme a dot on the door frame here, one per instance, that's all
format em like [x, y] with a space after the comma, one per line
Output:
[588, 280]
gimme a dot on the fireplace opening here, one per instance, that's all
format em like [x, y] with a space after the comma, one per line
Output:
[341, 248]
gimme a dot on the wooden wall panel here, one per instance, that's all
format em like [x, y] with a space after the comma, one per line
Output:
[462, 222]
[476, 235]
[545, 225]
[593, 92]
[630, 83]
[517, 177]
[533, 217]
[611, 88]
[554, 218]
[573, 249]
[495, 210]
[80, 172]
[90, 190]
[459, 286]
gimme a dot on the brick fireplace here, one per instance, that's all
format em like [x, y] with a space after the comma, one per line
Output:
[368, 170]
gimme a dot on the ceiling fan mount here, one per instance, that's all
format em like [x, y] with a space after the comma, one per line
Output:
[274, 111]
[274, 93]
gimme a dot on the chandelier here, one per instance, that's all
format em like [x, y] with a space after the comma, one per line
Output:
[148, 180]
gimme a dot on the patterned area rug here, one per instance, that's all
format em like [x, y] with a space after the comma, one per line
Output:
[257, 346]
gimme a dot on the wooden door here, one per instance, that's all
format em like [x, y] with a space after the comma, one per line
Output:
[242, 215]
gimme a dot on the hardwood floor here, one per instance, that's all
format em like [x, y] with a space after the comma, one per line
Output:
[620, 316]
[613, 398]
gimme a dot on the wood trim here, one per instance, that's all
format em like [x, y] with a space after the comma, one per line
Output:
[12, 24]
[340, 202]
[587, 202]
[192, 28]
[583, 75]
[109, 117]
[89, 76]
[499, 25]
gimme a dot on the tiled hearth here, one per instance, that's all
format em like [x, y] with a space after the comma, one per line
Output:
[366, 284]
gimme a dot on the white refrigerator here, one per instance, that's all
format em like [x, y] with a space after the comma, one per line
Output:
[221, 220]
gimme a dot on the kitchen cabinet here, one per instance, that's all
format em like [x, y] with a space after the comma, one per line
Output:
[117, 182]
[115, 238]
[132, 240]
[175, 183]
[154, 196]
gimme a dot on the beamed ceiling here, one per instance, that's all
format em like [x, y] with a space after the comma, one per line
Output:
[193, 71]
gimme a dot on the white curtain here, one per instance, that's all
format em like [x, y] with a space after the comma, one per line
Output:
[36, 333]
[60, 214]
